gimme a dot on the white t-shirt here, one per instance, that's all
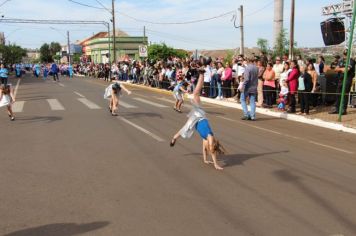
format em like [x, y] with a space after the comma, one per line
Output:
[284, 91]
[284, 76]
[207, 74]
[240, 70]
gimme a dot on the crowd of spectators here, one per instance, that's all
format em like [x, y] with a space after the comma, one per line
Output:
[222, 78]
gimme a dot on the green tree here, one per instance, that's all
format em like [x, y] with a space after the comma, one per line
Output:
[263, 45]
[162, 52]
[282, 44]
[229, 57]
[48, 51]
[76, 58]
[55, 47]
[12, 53]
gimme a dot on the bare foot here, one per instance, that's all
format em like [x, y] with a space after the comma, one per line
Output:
[208, 162]
[218, 167]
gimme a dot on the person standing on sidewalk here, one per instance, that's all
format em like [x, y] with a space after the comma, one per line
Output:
[4, 74]
[269, 85]
[305, 86]
[340, 68]
[260, 95]
[293, 86]
[249, 90]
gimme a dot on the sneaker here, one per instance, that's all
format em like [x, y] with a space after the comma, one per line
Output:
[246, 118]
[252, 119]
[12, 118]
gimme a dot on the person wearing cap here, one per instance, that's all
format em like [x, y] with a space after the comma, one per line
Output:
[340, 68]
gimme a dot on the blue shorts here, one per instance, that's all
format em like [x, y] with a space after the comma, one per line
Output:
[204, 129]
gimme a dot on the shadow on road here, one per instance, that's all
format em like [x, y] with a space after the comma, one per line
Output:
[237, 159]
[240, 159]
[47, 119]
[64, 229]
[140, 114]
[287, 176]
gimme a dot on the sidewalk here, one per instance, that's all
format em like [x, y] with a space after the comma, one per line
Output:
[318, 117]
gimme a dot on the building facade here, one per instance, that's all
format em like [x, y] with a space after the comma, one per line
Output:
[96, 48]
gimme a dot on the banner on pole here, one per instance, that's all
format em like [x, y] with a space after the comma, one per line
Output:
[143, 51]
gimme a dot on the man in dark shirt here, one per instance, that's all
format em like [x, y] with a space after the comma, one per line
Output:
[350, 75]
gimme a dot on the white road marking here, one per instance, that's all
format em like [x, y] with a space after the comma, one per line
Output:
[157, 138]
[150, 103]
[80, 95]
[289, 136]
[173, 102]
[331, 147]
[18, 106]
[60, 84]
[126, 105]
[17, 87]
[253, 126]
[55, 105]
[88, 103]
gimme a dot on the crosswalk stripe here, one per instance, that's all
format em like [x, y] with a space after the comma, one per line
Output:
[79, 94]
[126, 105]
[150, 103]
[173, 102]
[88, 103]
[18, 106]
[55, 105]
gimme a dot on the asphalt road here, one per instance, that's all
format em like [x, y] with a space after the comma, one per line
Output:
[67, 167]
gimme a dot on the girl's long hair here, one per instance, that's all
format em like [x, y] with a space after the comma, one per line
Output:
[219, 148]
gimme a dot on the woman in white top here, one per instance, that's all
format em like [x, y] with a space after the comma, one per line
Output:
[7, 99]
[285, 73]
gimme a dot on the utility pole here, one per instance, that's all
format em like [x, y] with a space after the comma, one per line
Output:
[242, 45]
[278, 20]
[113, 29]
[144, 35]
[291, 40]
[68, 45]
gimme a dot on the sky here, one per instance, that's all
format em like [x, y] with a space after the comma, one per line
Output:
[219, 33]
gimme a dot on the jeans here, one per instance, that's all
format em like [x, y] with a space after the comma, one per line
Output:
[219, 90]
[212, 92]
[252, 112]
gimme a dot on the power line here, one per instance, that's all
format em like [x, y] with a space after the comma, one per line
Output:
[259, 10]
[177, 23]
[86, 5]
[4, 2]
[104, 6]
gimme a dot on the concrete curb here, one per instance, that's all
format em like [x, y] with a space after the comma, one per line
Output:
[291, 117]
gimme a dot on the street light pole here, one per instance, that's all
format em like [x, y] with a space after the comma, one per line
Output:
[291, 41]
[69, 57]
[113, 29]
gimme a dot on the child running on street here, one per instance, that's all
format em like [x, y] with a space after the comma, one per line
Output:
[113, 92]
[178, 92]
[7, 99]
[197, 120]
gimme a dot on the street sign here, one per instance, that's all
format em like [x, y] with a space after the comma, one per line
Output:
[143, 51]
